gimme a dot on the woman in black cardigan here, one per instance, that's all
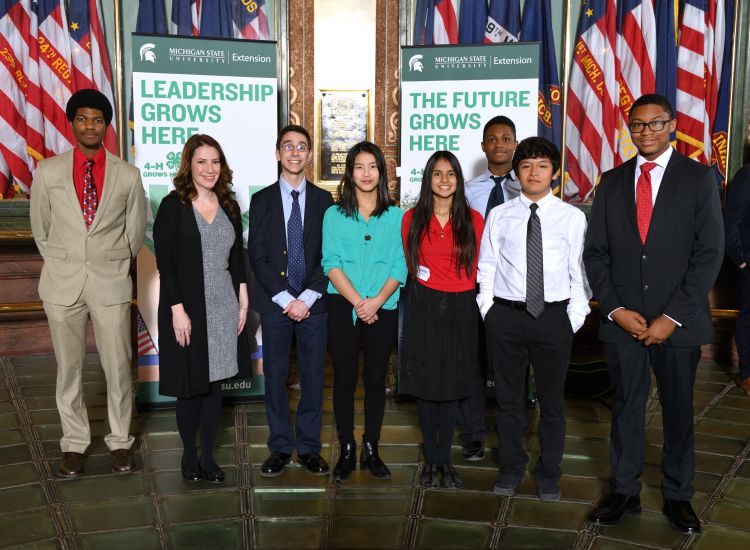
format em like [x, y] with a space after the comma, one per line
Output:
[203, 298]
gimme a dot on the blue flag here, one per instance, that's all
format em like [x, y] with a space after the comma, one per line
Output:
[216, 19]
[720, 130]
[183, 20]
[666, 52]
[152, 17]
[420, 22]
[503, 21]
[537, 27]
[472, 20]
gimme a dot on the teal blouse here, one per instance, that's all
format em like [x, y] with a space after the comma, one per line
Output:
[368, 252]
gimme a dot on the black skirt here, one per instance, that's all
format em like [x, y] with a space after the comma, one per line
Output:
[440, 343]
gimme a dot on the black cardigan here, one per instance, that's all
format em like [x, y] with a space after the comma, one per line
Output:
[183, 372]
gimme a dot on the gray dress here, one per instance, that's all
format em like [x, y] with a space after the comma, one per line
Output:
[222, 309]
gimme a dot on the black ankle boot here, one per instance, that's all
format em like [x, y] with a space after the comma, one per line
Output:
[347, 462]
[370, 459]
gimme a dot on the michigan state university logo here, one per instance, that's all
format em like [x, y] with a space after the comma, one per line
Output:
[415, 63]
[147, 53]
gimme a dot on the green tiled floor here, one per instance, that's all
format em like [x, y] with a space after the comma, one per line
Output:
[154, 508]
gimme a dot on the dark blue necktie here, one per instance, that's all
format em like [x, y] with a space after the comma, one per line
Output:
[296, 252]
[496, 197]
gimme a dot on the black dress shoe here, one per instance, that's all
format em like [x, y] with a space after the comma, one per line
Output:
[314, 463]
[275, 464]
[370, 459]
[474, 451]
[449, 477]
[429, 476]
[71, 465]
[191, 474]
[681, 516]
[347, 462]
[615, 507]
[212, 475]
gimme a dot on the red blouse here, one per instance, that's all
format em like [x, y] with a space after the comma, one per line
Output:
[437, 265]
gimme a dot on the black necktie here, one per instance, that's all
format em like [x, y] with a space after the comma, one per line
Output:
[534, 265]
[496, 197]
[296, 263]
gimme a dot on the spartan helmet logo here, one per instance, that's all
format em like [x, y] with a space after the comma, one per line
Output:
[415, 63]
[147, 53]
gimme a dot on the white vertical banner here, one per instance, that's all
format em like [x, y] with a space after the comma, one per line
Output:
[184, 86]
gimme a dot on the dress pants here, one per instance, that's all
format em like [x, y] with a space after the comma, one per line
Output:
[472, 409]
[377, 340]
[278, 330]
[630, 375]
[112, 330]
[742, 326]
[515, 339]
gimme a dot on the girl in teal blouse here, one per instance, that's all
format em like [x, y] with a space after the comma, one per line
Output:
[364, 260]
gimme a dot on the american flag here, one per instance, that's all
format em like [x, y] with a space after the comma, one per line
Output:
[503, 21]
[591, 130]
[90, 57]
[186, 17]
[145, 343]
[442, 22]
[250, 19]
[36, 84]
[699, 64]
[636, 53]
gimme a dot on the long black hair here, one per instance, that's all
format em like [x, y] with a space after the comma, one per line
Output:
[464, 237]
[347, 191]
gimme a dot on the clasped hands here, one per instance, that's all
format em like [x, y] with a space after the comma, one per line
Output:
[297, 310]
[655, 332]
[367, 310]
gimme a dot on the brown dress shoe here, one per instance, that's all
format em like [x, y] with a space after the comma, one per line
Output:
[71, 465]
[122, 461]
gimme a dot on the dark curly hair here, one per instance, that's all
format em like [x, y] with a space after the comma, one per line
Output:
[183, 180]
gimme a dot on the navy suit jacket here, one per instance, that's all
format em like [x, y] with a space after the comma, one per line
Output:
[267, 246]
[737, 217]
[674, 270]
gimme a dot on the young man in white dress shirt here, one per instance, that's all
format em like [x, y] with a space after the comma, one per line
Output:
[533, 296]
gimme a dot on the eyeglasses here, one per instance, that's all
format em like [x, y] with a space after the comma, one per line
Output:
[654, 126]
[300, 147]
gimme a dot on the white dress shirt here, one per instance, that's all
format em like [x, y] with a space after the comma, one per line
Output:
[284, 298]
[502, 255]
[478, 190]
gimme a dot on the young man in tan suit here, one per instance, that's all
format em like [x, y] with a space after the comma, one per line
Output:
[88, 216]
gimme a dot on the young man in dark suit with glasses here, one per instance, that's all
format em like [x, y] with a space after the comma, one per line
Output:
[284, 248]
[653, 248]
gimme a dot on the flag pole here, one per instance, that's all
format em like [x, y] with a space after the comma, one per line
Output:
[564, 93]
[735, 27]
[119, 70]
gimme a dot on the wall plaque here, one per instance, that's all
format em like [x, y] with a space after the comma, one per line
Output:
[344, 117]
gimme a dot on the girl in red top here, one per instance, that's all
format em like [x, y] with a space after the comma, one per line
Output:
[441, 240]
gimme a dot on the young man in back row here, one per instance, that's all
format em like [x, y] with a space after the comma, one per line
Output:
[497, 185]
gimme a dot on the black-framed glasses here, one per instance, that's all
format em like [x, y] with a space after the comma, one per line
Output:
[654, 126]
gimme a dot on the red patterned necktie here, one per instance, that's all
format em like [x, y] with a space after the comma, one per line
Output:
[90, 198]
[644, 206]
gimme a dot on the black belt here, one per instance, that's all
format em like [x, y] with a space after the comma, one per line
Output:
[522, 305]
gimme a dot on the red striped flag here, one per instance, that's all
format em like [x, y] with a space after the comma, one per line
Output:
[250, 19]
[90, 58]
[699, 64]
[636, 55]
[443, 16]
[145, 343]
[591, 130]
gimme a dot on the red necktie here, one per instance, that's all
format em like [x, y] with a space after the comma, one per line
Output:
[90, 200]
[644, 206]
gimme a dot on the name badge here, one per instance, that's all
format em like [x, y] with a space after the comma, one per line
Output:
[423, 273]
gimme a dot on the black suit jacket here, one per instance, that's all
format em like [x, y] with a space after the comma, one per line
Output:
[737, 217]
[673, 271]
[267, 246]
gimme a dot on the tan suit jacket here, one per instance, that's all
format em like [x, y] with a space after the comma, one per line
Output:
[72, 254]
